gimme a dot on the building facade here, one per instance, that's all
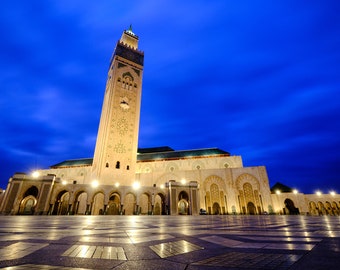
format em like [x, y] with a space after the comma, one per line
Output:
[122, 179]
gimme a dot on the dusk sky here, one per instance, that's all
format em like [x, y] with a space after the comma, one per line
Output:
[259, 79]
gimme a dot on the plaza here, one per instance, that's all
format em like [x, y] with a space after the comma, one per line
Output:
[168, 242]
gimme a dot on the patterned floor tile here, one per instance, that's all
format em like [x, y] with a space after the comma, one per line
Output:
[96, 252]
[169, 249]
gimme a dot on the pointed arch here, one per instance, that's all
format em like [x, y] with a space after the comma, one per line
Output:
[290, 207]
[27, 205]
[32, 191]
[159, 204]
[61, 204]
[215, 194]
[249, 194]
[80, 203]
[98, 204]
[145, 204]
[114, 204]
[183, 203]
[129, 204]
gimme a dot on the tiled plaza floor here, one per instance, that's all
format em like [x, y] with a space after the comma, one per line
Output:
[169, 242]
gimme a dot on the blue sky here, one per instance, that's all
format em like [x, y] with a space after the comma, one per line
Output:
[260, 79]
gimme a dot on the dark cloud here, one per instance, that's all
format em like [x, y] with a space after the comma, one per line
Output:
[259, 80]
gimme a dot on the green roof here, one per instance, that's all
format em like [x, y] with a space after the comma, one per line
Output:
[151, 154]
[73, 162]
[154, 149]
[181, 154]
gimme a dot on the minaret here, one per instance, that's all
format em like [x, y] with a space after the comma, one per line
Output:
[117, 140]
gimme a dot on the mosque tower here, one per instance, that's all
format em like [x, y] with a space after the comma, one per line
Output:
[117, 139]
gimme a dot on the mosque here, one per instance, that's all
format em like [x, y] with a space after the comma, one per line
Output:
[122, 179]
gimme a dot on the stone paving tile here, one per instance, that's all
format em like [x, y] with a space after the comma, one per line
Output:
[284, 239]
[290, 246]
[267, 245]
[149, 265]
[169, 249]
[18, 237]
[19, 250]
[42, 267]
[120, 240]
[221, 241]
[251, 260]
[136, 240]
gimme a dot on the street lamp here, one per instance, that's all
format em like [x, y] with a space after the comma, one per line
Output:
[136, 185]
[35, 174]
[95, 184]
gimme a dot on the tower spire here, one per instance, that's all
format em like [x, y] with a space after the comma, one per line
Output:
[130, 38]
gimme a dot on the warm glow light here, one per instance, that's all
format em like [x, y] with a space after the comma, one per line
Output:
[162, 186]
[332, 193]
[136, 185]
[95, 184]
[278, 192]
[318, 193]
[35, 174]
[183, 181]
[64, 182]
[295, 191]
[117, 184]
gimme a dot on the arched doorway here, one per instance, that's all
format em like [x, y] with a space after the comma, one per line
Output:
[27, 205]
[80, 203]
[251, 209]
[328, 207]
[61, 204]
[321, 209]
[145, 204]
[215, 192]
[183, 203]
[113, 207]
[290, 207]
[335, 208]
[29, 201]
[312, 208]
[183, 207]
[98, 204]
[129, 204]
[216, 210]
[159, 205]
